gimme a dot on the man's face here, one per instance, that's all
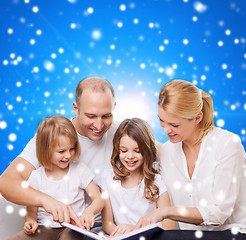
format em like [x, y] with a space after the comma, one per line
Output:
[95, 113]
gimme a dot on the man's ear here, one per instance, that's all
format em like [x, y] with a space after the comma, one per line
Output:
[199, 117]
[75, 108]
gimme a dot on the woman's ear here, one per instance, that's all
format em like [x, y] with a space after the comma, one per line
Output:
[199, 117]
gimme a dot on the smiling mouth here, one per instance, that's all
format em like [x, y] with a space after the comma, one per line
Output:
[173, 135]
[65, 161]
[131, 163]
[96, 131]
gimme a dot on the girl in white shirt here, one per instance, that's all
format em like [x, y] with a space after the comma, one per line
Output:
[61, 177]
[203, 166]
[133, 187]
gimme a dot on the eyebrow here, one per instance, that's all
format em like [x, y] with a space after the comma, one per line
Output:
[172, 123]
[95, 115]
[127, 148]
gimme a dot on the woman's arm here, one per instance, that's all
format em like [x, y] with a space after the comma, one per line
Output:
[164, 201]
[182, 214]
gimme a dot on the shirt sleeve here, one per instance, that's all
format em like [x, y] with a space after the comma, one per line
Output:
[228, 176]
[86, 175]
[104, 179]
[29, 153]
[33, 179]
[160, 184]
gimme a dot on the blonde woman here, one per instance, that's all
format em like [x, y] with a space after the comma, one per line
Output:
[202, 165]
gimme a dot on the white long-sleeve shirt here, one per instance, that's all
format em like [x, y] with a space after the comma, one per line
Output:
[218, 184]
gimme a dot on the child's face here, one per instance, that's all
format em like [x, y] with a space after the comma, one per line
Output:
[130, 155]
[63, 153]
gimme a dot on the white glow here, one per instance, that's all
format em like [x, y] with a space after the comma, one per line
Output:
[130, 106]
[105, 195]
[96, 34]
[9, 209]
[198, 234]
[12, 137]
[3, 124]
[24, 184]
[220, 123]
[20, 167]
[123, 209]
[35, 9]
[22, 212]
[49, 66]
[200, 7]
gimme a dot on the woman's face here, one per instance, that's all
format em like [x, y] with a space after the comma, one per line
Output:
[178, 129]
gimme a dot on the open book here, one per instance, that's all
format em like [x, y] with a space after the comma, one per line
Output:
[145, 232]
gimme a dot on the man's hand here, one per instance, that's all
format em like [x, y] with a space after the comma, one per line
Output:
[30, 227]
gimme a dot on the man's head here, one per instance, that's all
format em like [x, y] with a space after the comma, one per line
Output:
[94, 107]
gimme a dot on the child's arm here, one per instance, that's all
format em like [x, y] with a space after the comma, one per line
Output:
[108, 217]
[108, 221]
[31, 224]
[164, 201]
[95, 207]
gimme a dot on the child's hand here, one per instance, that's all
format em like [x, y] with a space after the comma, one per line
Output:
[30, 227]
[121, 229]
[87, 219]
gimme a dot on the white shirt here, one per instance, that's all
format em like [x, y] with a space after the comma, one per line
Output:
[95, 154]
[218, 184]
[128, 205]
[69, 189]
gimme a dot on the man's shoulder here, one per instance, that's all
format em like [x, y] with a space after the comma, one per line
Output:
[114, 126]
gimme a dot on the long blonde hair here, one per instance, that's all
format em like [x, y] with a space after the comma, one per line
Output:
[139, 131]
[183, 99]
[47, 138]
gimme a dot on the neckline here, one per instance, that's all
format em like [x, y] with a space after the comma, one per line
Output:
[61, 179]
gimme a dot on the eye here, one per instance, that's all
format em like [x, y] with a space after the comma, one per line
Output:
[91, 117]
[123, 151]
[61, 151]
[106, 116]
[174, 125]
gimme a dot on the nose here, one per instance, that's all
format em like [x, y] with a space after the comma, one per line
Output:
[67, 154]
[130, 155]
[99, 124]
[166, 129]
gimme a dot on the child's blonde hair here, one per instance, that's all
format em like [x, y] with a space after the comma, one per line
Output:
[47, 138]
[139, 131]
[183, 99]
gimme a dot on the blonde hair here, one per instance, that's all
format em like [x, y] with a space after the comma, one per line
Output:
[47, 138]
[139, 131]
[183, 99]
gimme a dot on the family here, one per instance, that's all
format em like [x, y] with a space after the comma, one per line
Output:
[114, 177]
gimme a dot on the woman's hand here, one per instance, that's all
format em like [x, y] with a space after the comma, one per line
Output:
[152, 217]
[121, 229]
[87, 219]
[30, 227]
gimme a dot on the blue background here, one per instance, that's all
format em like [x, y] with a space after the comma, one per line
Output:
[47, 47]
